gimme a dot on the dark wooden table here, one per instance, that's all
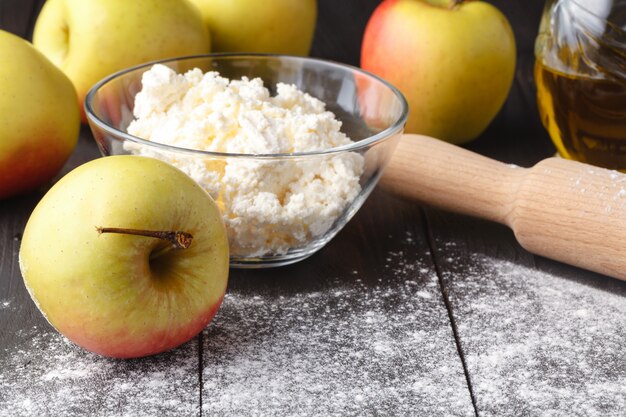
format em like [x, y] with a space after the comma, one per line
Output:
[408, 311]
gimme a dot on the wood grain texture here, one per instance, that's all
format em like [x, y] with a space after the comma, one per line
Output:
[537, 337]
[560, 209]
[573, 213]
[452, 178]
[338, 334]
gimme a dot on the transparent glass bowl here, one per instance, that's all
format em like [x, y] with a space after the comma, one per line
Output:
[301, 218]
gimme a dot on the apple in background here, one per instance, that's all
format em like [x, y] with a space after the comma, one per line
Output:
[90, 39]
[116, 292]
[39, 117]
[275, 26]
[453, 60]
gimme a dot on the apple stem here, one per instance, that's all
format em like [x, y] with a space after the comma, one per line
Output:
[178, 239]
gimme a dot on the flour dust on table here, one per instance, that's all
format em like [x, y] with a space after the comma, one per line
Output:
[370, 339]
[539, 344]
[50, 376]
[351, 348]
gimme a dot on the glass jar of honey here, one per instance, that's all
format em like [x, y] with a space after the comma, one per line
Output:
[580, 73]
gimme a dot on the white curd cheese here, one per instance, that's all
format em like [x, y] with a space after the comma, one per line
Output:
[269, 205]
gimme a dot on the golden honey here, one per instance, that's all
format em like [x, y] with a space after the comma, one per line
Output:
[585, 116]
[580, 74]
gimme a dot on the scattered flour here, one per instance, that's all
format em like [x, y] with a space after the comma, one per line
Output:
[353, 350]
[539, 344]
[49, 376]
[534, 344]
[358, 345]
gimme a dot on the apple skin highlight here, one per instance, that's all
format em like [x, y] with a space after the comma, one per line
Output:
[455, 65]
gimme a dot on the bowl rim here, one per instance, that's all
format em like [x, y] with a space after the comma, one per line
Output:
[397, 126]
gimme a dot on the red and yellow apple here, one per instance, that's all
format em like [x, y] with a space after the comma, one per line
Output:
[39, 117]
[276, 26]
[453, 60]
[131, 292]
[90, 39]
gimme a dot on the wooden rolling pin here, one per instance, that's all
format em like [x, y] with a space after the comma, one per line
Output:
[564, 210]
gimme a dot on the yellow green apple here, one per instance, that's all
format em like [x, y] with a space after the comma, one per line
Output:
[454, 61]
[126, 256]
[275, 26]
[39, 117]
[90, 39]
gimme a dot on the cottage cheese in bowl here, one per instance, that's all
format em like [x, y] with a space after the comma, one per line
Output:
[269, 205]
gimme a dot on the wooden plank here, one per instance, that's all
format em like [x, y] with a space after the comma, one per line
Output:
[538, 337]
[41, 373]
[45, 375]
[359, 328]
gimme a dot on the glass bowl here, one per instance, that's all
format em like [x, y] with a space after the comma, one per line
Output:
[278, 208]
